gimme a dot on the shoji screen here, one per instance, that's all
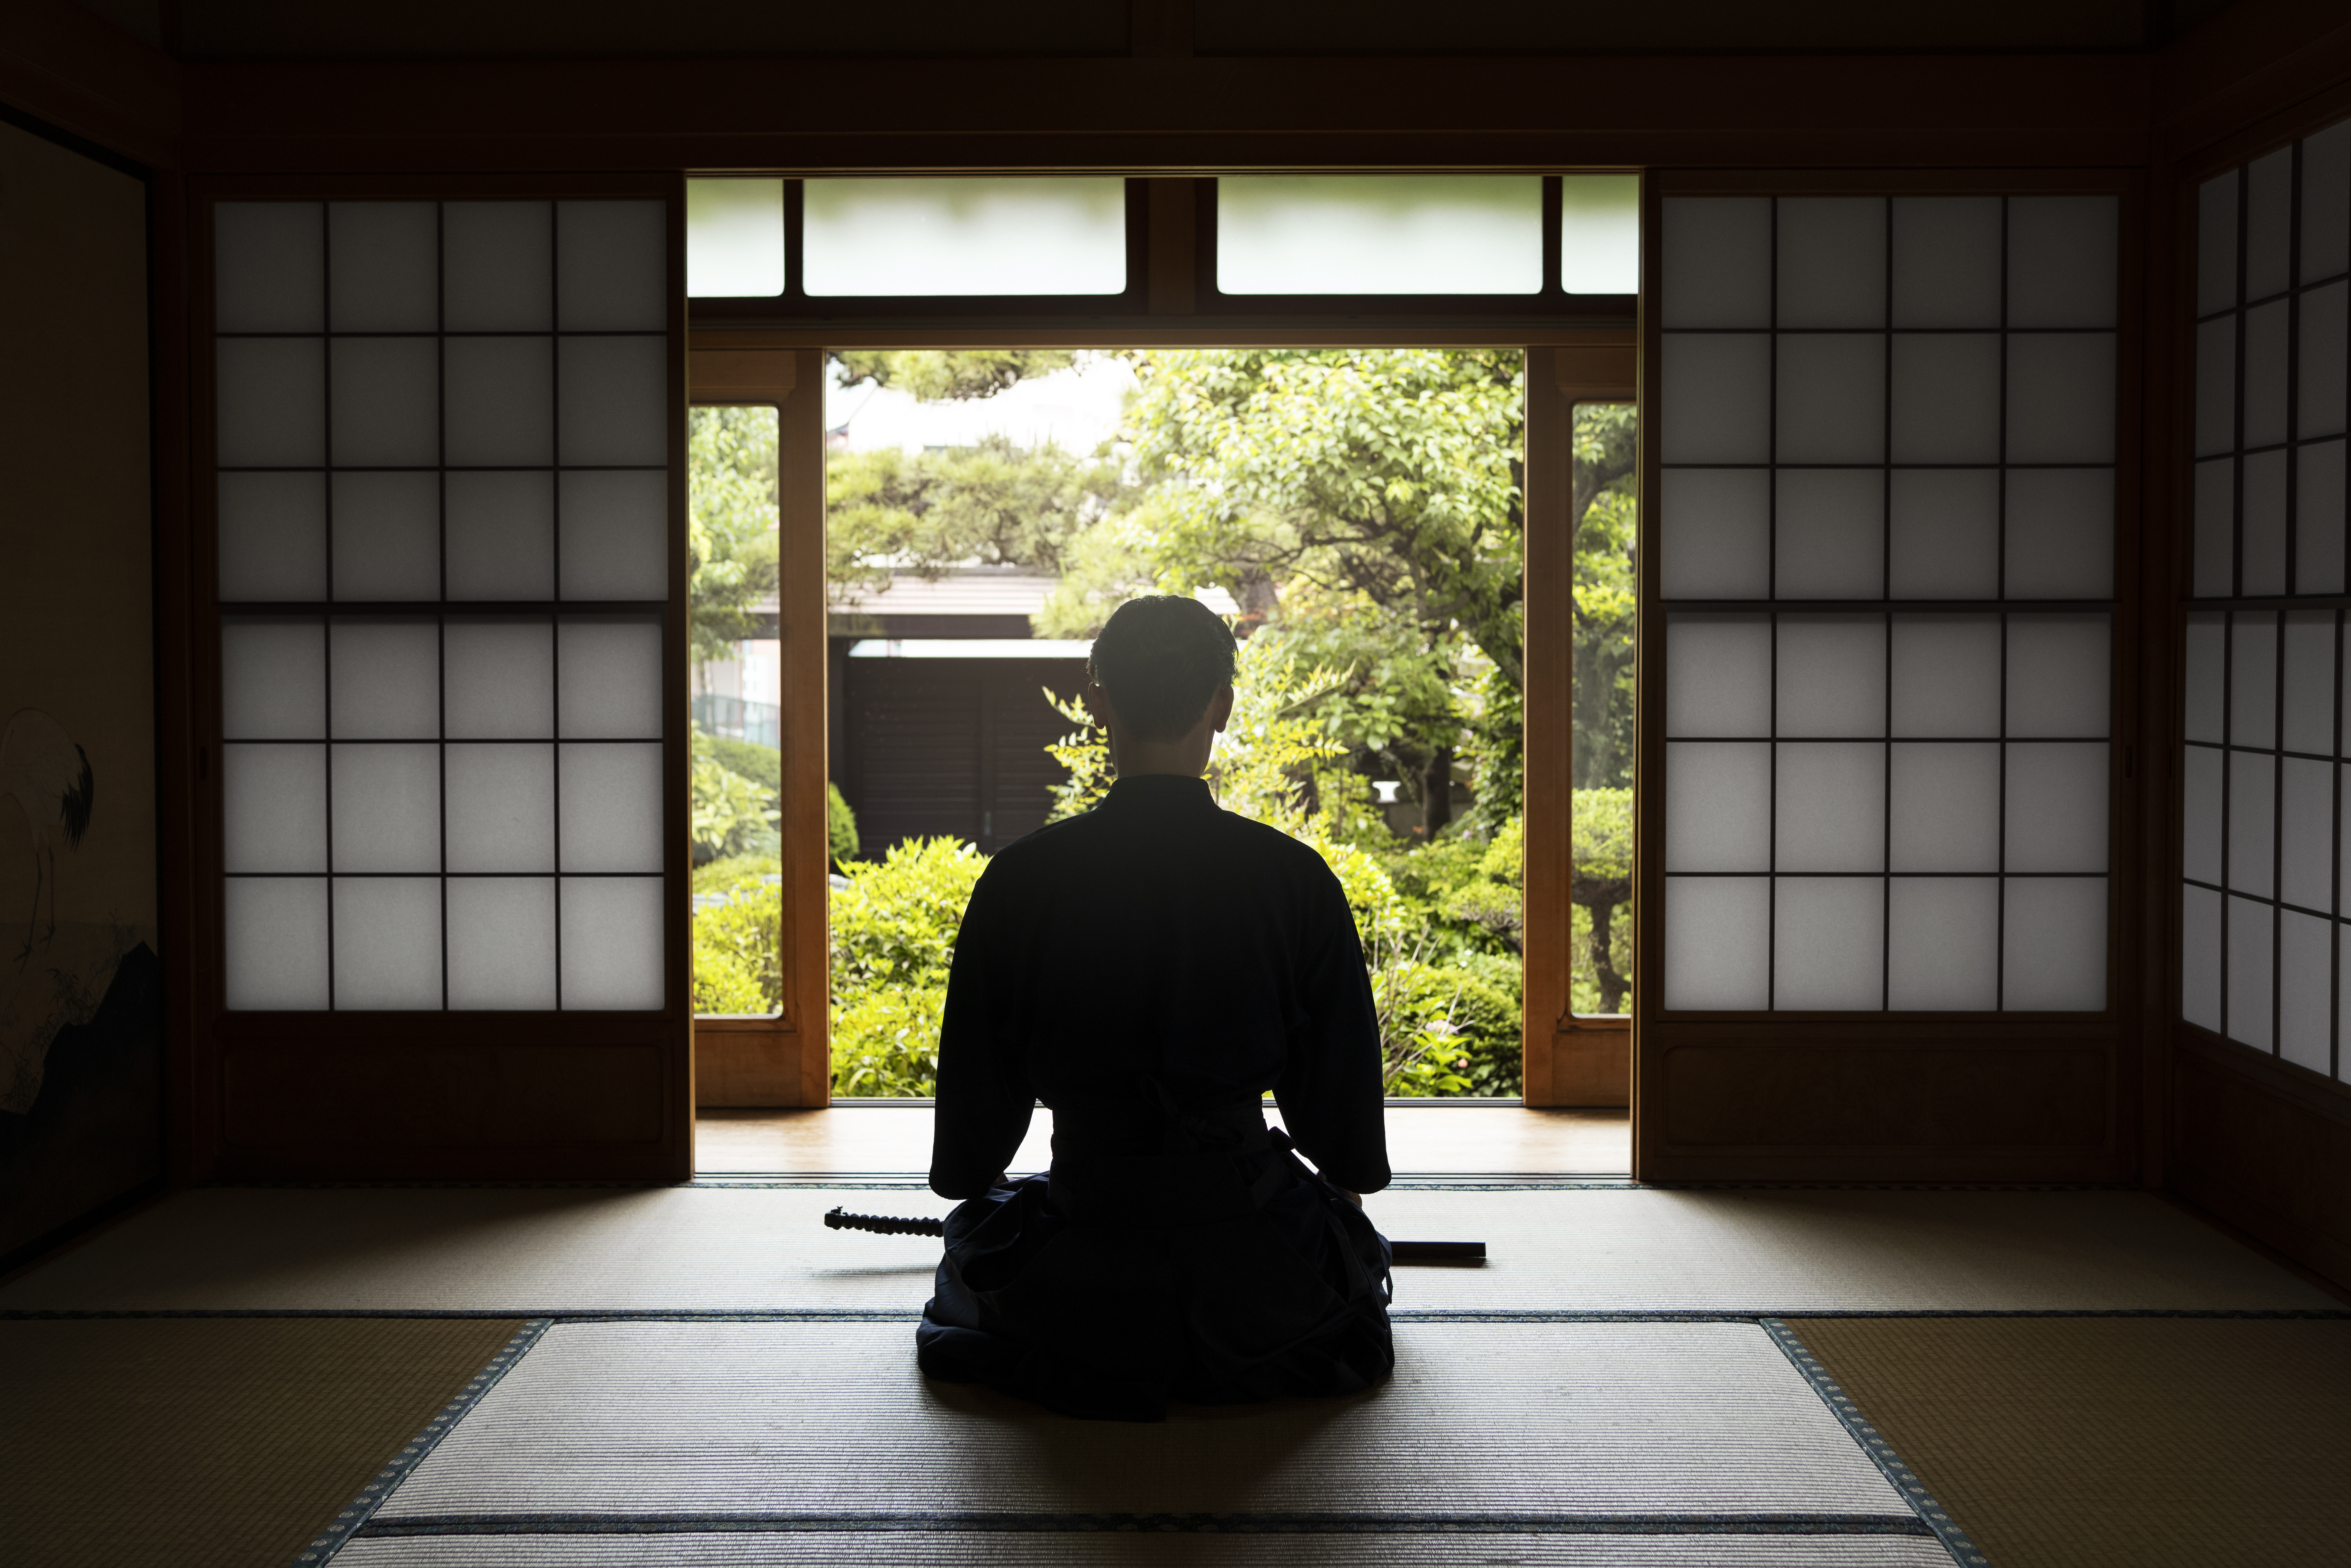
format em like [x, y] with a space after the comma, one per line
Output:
[1886, 515]
[2262, 936]
[443, 431]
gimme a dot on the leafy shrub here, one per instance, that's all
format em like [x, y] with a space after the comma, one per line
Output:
[736, 967]
[893, 931]
[764, 765]
[885, 1041]
[840, 826]
[731, 815]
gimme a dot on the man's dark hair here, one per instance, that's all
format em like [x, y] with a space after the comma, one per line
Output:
[1159, 660]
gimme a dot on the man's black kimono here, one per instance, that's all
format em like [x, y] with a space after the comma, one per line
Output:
[1148, 970]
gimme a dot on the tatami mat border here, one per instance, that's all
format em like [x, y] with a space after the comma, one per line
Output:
[1881, 1452]
[1153, 1523]
[357, 1512]
[1398, 1314]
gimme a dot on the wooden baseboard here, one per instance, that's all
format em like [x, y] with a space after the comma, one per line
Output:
[2265, 1146]
[745, 1068]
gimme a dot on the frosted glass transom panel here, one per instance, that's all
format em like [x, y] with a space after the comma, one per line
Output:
[1374, 233]
[445, 515]
[734, 238]
[1063, 234]
[1913, 401]
[1600, 234]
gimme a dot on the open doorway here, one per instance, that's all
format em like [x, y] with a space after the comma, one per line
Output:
[1359, 514]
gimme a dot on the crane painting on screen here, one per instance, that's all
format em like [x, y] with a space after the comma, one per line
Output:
[46, 773]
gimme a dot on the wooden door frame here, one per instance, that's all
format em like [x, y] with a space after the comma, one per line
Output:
[1566, 1059]
[786, 1060]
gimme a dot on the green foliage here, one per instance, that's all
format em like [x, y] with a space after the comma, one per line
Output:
[1367, 502]
[895, 924]
[1495, 748]
[936, 375]
[731, 528]
[885, 1041]
[730, 815]
[725, 876]
[1605, 460]
[738, 967]
[993, 503]
[763, 765]
[1084, 756]
[839, 825]
[1600, 889]
[893, 931]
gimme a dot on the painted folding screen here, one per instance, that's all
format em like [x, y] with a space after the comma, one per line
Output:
[1885, 562]
[2262, 931]
[443, 438]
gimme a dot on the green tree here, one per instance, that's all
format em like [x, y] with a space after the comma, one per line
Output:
[731, 525]
[1605, 454]
[936, 375]
[1324, 486]
[994, 503]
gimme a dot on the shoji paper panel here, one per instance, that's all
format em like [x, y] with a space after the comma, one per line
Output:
[1887, 535]
[2262, 841]
[443, 431]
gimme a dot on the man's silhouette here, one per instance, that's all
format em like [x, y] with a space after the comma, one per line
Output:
[1148, 970]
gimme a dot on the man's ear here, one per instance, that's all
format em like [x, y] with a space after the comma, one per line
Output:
[1220, 710]
[1097, 703]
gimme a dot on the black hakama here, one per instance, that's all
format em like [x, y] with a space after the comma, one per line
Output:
[1149, 970]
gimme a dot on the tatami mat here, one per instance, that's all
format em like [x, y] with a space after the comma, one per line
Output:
[868, 1549]
[633, 1419]
[2116, 1443]
[209, 1444]
[532, 1251]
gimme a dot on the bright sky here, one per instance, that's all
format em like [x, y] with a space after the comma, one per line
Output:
[1075, 408]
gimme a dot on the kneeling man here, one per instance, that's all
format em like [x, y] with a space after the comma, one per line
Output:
[1149, 970]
